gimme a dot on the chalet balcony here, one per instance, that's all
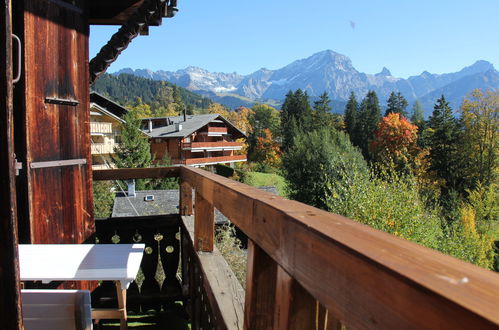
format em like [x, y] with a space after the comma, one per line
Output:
[217, 131]
[102, 148]
[306, 268]
[212, 146]
[210, 160]
[98, 128]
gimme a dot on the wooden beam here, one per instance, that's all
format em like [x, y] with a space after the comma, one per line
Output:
[260, 289]
[106, 313]
[185, 199]
[149, 12]
[137, 173]
[364, 277]
[10, 300]
[204, 229]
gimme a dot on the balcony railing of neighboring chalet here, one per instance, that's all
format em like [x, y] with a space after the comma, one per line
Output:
[220, 145]
[100, 127]
[210, 160]
[310, 269]
[102, 148]
[217, 130]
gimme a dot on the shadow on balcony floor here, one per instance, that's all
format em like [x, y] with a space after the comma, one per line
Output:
[172, 319]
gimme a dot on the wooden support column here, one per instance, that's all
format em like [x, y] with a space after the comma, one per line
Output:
[260, 289]
[185, 198]
[10, 299]
[295, 308]
[326, 320]
[204, 225]
[121, 293]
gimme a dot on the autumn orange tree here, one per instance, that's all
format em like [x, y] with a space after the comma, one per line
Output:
[394, 145]
[266, 150]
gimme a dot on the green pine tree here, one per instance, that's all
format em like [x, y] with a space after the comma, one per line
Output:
[134, 149]
[444, 145]
[396, 104]
[367, 123]
[296, 115]
[322, 112]
[351, 115]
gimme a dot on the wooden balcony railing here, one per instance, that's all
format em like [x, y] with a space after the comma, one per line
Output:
[212, 145]
[310, 269]
[217, 130]
[210, 160]
[101, 127]
[102, 148]
[161, 236]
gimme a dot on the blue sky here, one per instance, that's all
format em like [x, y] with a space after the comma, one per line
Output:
[406, 36]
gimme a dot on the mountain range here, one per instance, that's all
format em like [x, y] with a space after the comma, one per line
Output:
[331, 72]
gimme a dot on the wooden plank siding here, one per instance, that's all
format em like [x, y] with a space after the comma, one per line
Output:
[10, 301]
[58, 200]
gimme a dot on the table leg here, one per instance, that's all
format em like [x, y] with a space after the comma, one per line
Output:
[122, 305]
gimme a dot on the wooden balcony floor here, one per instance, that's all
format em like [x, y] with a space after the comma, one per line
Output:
[172, 319]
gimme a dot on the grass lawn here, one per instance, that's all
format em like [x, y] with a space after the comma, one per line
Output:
[257, 179]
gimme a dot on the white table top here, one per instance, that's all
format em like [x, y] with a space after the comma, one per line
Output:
[80, 262]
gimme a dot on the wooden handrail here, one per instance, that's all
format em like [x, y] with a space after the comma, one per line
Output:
[137, 173]
[365, 278]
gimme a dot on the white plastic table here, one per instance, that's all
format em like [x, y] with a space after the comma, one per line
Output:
[84, 262]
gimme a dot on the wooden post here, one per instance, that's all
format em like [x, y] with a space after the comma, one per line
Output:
[328, 321]
[260, 289]
[185, 198]
[121, 293]
[10, 298]
[204, 225]
[295, 308]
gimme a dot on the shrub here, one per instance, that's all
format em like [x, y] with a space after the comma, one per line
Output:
[316, 160]
[224, 170]
[230, 248]
[462, 241]
[393, 206]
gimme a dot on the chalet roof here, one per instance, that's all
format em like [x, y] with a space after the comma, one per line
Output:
[108, 105]
[165, 202]
[191, 125]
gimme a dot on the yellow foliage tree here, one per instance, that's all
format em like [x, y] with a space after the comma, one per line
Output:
[480, 115]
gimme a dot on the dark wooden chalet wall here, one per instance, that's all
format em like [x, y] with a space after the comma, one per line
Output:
[10, 303]
[51, 114]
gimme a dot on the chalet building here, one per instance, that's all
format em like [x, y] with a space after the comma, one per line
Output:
[196, 140]
[105, 129]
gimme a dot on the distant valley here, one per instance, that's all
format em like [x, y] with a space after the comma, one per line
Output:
[331, 72]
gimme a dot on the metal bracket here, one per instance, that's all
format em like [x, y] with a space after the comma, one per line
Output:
[55, 100]
[18, 166]
[56, 163]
